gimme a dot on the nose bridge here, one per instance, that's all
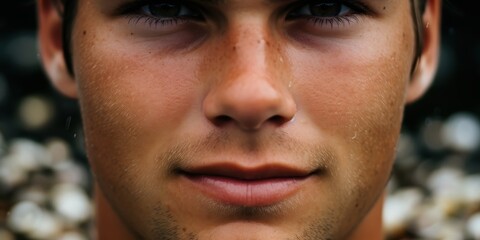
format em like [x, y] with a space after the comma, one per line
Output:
[257, 59]
[251, 87]
[252, 52]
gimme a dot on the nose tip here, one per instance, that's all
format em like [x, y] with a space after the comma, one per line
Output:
[249, 104]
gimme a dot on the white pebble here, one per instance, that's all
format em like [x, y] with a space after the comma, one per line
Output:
[443, 230]
[31, 220]
[58, 150]
[23, 160]
[30, 155]
[447, 189]
[11, 175]
[473, 226]
[35, 112]
[23, 216]
[70, 172]
[400, 208]
[71, 202]
[462, 132]
[429, 214]
[72, 236]
[471, 188]
[445, 177]
[48, 226]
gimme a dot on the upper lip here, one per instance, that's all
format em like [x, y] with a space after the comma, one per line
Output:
[229, 170]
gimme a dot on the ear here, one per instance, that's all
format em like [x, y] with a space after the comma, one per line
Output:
[427, 65]
[51, 51]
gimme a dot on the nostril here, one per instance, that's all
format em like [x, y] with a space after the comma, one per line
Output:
[222, 120]
[278, 120]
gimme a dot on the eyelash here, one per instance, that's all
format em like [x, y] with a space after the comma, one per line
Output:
[356, 9]
[133, 11]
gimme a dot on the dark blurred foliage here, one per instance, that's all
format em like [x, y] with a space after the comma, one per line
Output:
[457, 85]
[21, 75]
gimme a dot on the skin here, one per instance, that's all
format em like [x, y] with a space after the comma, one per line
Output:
[247, 88]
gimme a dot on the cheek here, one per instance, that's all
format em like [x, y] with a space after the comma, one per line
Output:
[353, 94]
[356, 98]
[129, 94]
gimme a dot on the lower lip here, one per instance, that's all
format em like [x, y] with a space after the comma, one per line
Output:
[251, 193]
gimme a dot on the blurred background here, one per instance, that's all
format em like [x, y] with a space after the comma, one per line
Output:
[45, 186]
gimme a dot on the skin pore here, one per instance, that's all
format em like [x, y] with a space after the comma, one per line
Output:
[247, 91]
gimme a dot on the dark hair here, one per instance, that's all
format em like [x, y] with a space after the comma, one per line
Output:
[68, 9]
[418, 8]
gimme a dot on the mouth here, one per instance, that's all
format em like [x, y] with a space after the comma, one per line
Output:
[250, 187]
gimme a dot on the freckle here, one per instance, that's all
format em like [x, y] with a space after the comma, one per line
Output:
[84, 33]
[384, 8]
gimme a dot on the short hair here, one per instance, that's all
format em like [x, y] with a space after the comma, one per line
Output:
[68, 8]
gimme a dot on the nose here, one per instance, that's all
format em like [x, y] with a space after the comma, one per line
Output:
[251, 86]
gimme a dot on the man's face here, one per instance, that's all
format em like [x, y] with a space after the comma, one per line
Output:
[242, 119]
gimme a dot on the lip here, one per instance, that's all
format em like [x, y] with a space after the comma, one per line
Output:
[251, 187]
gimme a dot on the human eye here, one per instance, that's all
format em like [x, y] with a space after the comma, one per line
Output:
[157, 13]
[328, 12]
